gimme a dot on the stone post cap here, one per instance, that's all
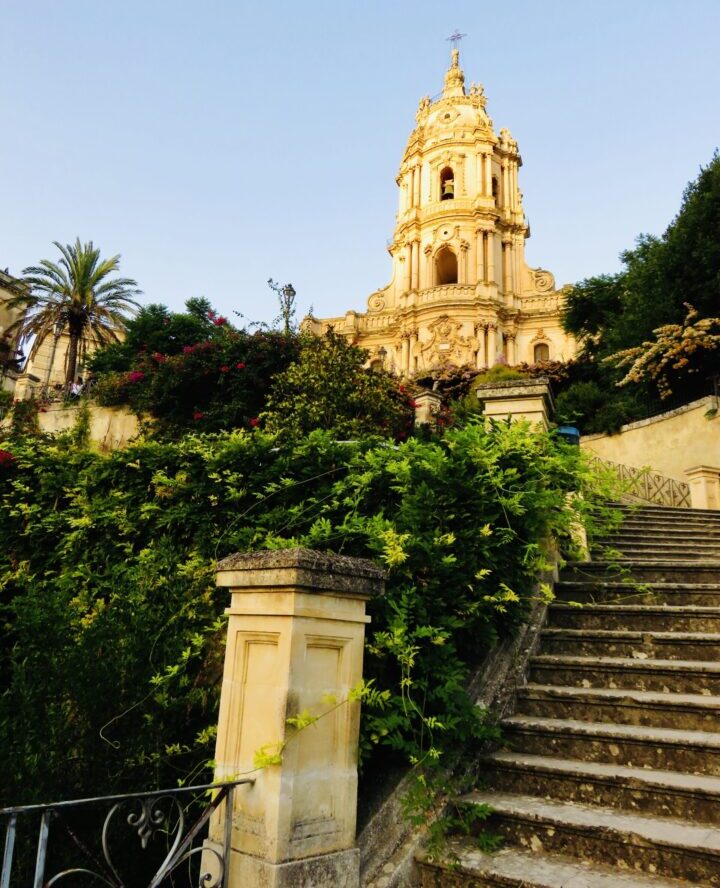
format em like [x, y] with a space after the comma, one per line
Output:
[302, 568]
[702, 470]
[428, 395]
[517, 388]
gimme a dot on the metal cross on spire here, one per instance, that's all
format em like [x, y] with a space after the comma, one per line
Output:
[455, 38]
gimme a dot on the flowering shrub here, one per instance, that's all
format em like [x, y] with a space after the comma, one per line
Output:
[7, 460]
[222, 380]
[677, 351]
[328, 387]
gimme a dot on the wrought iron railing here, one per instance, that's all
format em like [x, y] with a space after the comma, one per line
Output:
[649, 486]
[102, 856]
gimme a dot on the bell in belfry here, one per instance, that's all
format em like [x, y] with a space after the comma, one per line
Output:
[448, 189]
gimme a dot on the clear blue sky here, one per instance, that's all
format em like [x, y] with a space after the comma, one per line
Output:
[217, 144]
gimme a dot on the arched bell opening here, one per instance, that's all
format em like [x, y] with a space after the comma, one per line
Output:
[447, 184]
[446, 267]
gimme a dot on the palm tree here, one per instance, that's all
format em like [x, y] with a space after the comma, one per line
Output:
[75, 295]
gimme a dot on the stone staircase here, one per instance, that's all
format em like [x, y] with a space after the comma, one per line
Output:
[611, 771]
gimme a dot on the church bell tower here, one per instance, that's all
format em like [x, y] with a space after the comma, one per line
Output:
[461, 291]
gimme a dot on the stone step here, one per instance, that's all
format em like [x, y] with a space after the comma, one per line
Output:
[638, 645]
[664, 551]
[667, 749]
[628, 841]
[651, 792]
[641, 534]
[665, 676]
[643, 570]
[676, 594]
[658, 551]
[690, 712]
[652, 510]
[654, 618]
[510, 867]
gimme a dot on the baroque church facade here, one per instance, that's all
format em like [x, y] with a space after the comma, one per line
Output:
[461, 291]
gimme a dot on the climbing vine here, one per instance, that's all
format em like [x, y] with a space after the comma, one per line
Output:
[113, 627]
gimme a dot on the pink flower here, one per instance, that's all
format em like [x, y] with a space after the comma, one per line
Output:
[219, 322]
[188, 349]
[240, 366]
[254, 422]
[160, 358]
[135, 376]
[198, 415]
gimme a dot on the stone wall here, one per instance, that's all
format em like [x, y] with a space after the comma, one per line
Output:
[669, 443]
[110, 427]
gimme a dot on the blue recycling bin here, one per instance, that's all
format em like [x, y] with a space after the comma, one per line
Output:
[569, 434]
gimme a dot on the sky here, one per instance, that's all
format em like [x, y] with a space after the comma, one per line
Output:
[215, 145]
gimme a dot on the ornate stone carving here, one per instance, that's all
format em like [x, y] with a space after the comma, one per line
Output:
[446, 344]
[376, 302]
[544, 280]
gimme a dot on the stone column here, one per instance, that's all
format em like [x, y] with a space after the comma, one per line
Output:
[294, 644]
[488, 175]
[704, 487]
[491, 257]
[418, 174]
[413, 351]
[510, 340]
[480, 256]
[491, 345]
[405, 355]
[481, 359]
[415, 270]
[408, 266]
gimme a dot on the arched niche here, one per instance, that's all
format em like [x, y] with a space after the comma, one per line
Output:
[446, 267]
[541, 352]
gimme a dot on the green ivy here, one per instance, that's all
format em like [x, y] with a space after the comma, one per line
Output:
[113, 628]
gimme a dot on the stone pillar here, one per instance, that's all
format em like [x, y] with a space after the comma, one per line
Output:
[415, 269]
[487, 191]
[704, 487]
[491, 345]
[294, 644]
[413, 351]
[480, 256]
[510, 342]
[491, 257]
[428, 405]
[418, 173]
[480, 359]
[404, 356]
[529, 400]
[408, 267]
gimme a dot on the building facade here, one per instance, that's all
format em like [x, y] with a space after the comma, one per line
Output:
[461, 291]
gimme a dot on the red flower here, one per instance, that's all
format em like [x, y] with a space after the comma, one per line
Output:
[160, 358]
[219, 322]
[401, 388]
[240, 366]
[412, 404]
[188, 349]
[254, 422]
[198, 415]
[135, 376]
[225, 369]
[6, 459]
